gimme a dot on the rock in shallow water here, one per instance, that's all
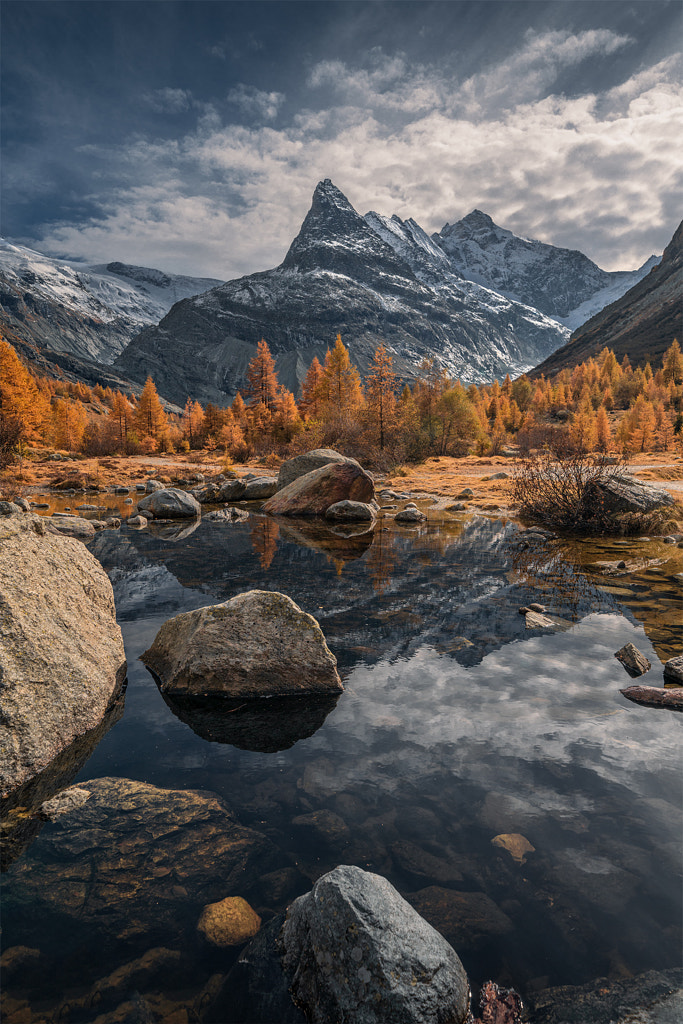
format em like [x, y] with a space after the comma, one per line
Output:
[673, 670]
[230, 922]
[633, 660]
[62, 660]
[313, 493]
[257, 644]
[350, 950]
[171, 503]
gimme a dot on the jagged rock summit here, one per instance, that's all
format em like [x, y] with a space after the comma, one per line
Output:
[562, 283]
[369, 279]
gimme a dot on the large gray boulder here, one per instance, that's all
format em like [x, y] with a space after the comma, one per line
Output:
[313, 493]
[259, 488]
[61, 654]
[232, 490]
[73, 526]
[171, 503]
[352, 949]
[292, 469]
[622, 493]
[257, 644]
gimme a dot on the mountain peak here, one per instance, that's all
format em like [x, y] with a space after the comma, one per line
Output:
[335, 238]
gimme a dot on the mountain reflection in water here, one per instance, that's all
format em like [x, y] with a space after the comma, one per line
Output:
[457, 725]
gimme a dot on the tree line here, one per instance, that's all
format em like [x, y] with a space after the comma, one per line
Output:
[600, 405]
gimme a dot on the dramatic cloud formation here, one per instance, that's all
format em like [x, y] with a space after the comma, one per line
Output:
[567, 138]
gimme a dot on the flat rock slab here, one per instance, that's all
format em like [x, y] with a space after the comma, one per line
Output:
[313, 493]
[656, 696]
[257, 644]
[171, 503]
[137, 861]
[633, 660]
[62, 660]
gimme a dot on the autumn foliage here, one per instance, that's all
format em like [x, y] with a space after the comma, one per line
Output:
[601, 405]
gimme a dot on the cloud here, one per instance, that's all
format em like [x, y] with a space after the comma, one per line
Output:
[255, 103]
[593, 171]
[169, 101]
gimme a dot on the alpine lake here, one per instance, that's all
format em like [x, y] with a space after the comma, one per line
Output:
[494, 774]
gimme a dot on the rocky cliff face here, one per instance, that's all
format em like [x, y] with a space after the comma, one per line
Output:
[369, 279]
[562, 283]
[89, 312]
[642, 324]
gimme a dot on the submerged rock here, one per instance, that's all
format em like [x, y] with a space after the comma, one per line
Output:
[655, 997]
[136, 862]
[230, 922]
[633, 660]
[65, 802]
[516, 845]
[465, 919]
[257, 644]
[62, 660]
[171, 503]
[313, 493]
[350, 950]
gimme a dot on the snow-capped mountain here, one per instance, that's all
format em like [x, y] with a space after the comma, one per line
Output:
[640, 324]
[562, 283]
[372, 280]
[91, 312]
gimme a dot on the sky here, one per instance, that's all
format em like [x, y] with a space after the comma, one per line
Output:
[189, 136]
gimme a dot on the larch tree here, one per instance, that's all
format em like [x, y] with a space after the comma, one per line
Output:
[150, 419]
[673, 364]
[262, 379]
[24, 407]
[193, 422]
[311, 396]
[380, 396]
[340, 383]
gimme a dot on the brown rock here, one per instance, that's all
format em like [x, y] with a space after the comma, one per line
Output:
[465, 919]
[516, 845]
[292, 469]
[257, 644]
[656, 696]
[633, 660]
[228, 923]
[312, 494]
[673, 671]
[61, 654]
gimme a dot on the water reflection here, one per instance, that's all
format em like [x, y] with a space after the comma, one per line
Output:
[456, 726]
[260, 725]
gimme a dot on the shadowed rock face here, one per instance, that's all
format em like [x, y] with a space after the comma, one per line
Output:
[62, 660]
[313, 493]
[258, 644]
[266, 726]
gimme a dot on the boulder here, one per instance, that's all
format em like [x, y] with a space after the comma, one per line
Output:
[465, 919]
[257, 644]
[153, 485]
[9, 508]
[171, 503]
[22, 503]
[410, 515]
[137, 521]
[353, 949]
[227, 515]
[673, 671]
[232, 490]
[207, 495]
[350, 511]
[259, 488]
[622, 493]
[230, 922]
[63, 803]
[633, 660]
[312, 494]
[292, 469]
[62, 661]
[136, 862]
[655, 696]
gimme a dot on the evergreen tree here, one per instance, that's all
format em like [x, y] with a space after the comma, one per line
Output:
[150, 418]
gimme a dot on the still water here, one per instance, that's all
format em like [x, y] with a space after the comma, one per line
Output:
[457, 726]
